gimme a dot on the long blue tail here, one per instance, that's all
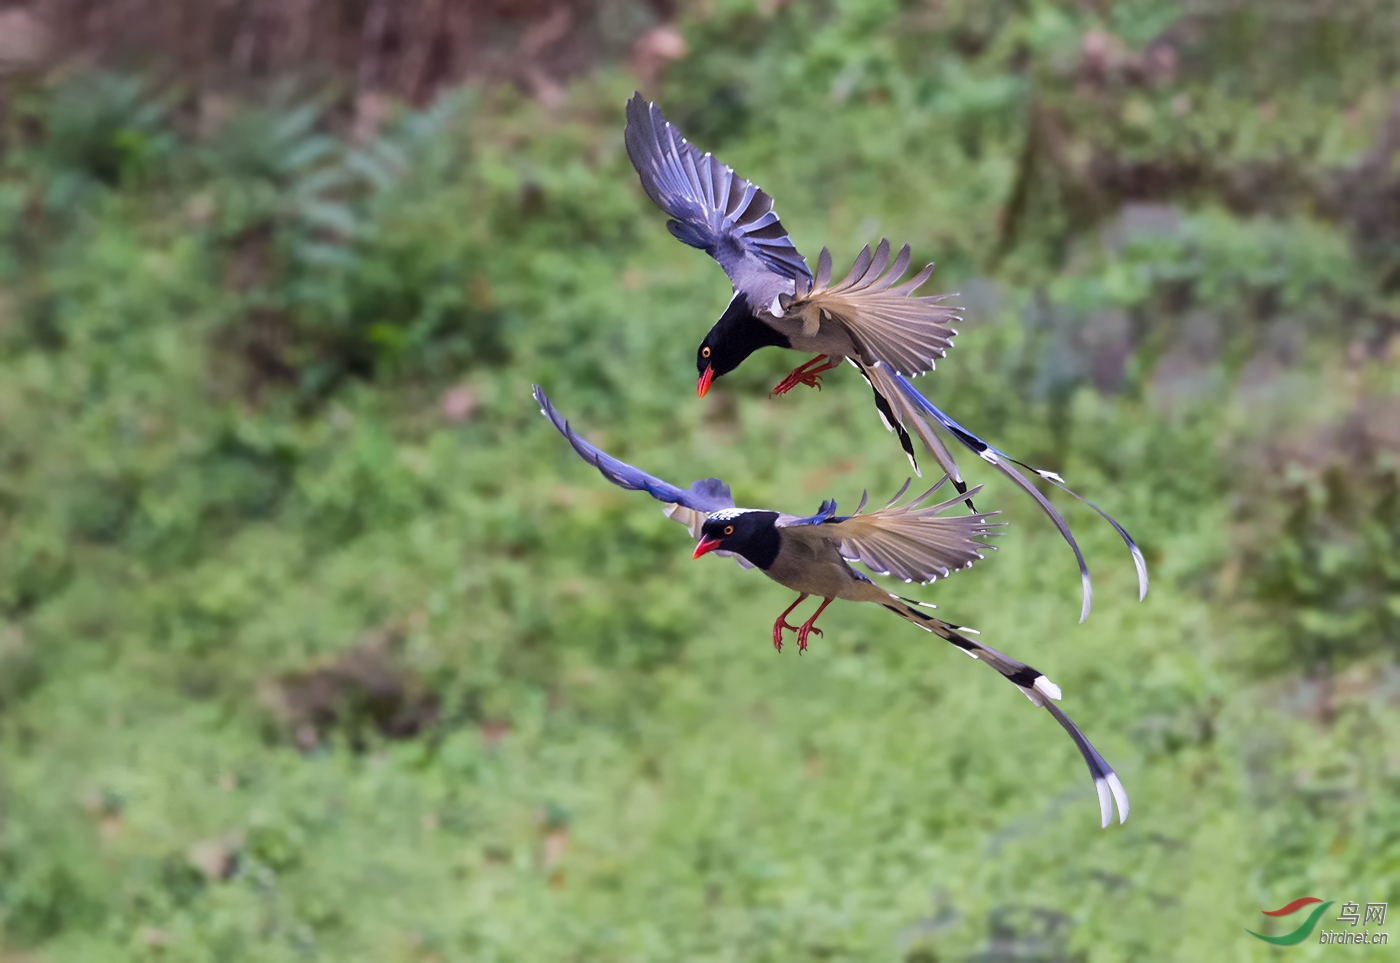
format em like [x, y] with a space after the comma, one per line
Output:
[1004, 463]
[1035, 686]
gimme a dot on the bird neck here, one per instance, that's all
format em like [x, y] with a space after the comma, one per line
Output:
[739, 332]
[762, 546]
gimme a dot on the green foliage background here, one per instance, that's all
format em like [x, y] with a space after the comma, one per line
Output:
[317, 643]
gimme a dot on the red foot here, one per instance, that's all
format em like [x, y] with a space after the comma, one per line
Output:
[808, 627]
[804, 375]
[782, 623]
[794, 379]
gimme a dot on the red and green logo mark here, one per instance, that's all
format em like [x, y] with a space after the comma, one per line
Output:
[1303, 931]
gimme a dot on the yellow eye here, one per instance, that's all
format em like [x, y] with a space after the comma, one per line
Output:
[729, 529]
[705, 352]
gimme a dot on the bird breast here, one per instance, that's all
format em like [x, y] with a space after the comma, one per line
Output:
[814, 331]
[811, 566]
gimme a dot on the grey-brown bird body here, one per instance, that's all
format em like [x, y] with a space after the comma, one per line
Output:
[813, 566]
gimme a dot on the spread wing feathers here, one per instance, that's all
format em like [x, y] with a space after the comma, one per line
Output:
[689, 506]
[1005, 464]
[914, 541]
[884, 318]
[711, 207]
[1035, 687]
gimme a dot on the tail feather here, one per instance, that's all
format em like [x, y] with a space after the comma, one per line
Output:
[1037, 688]
[894, 424]
[909, 397]
[899, 415]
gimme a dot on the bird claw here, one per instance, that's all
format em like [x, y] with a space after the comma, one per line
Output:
[802, 633]
[795, 379]
[778, 627]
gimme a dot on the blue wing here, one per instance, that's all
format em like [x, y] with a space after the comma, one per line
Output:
[706, 495]
[711, 207]
[825, 512]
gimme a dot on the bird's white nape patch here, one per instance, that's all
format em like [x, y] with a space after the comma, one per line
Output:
[1047, 687]
[728, 514]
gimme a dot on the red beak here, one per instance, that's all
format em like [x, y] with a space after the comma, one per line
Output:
[704, 383]
[706, 546]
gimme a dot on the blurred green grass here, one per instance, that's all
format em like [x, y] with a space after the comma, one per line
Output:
[317, 642]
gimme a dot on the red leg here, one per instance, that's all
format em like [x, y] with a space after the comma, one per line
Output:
[781, 624]
[804, 375]
[807, 627]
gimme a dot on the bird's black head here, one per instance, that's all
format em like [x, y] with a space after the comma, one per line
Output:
[751, 534]
[737, 334]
